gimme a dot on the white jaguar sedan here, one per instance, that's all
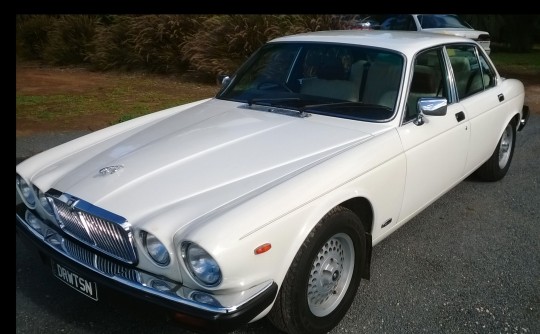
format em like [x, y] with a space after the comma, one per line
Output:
[267, 199]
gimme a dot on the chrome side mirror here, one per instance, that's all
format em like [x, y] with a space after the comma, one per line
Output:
[430, 106]
[224, 80]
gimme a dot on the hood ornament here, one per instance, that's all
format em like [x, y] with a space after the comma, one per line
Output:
[110, 169]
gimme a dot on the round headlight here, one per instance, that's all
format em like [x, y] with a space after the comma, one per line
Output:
[26, 192]
[156, 249]
[44, 201]
[201, 265]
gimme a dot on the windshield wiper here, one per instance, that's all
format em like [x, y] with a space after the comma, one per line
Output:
[301, 109]
[273, 101]
[278, 103]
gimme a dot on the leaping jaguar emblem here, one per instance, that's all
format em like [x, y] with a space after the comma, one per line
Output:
[110, 169]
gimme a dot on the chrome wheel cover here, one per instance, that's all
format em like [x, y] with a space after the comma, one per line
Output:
[330, 275]
[505, 149]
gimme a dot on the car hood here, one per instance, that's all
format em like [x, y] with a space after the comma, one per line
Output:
[201, 158]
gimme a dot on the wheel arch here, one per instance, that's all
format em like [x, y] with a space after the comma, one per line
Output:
[512, 119]
[491, 170]
[515, 120]
[362, 207]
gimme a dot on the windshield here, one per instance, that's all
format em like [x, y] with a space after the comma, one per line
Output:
[336, 80]
[442, 21]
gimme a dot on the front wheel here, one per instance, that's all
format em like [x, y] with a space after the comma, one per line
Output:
[498, 164]
[325, 274]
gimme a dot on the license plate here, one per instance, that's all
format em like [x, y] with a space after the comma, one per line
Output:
[74, 280]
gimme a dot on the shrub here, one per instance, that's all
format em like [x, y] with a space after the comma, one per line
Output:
[112, 47]
[69, 39]
[223, 42]
[149, 42]
[31, 35]
[158, 40]
[206, 45]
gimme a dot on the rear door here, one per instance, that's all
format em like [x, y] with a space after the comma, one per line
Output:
[480, 97]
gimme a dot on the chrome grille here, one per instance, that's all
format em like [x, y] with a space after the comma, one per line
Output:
[71, 222]
[95, 227]
[100, 263]
[115, 269]
[79, 253]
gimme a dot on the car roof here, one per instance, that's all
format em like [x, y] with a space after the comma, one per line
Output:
[406, 42]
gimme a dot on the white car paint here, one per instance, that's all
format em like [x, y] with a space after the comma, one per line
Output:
[231, 177]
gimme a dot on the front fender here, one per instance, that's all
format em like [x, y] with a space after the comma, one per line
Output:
[285, 215]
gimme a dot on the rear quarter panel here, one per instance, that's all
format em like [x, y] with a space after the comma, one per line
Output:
[488, 117]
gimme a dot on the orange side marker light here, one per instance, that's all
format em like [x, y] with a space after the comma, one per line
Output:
[262, 248]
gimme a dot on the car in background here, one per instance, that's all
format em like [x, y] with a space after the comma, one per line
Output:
[363, 23]
[449, 24]
[267, 199]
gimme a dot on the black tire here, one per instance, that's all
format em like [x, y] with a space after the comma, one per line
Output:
[496, 167]
[312, 300]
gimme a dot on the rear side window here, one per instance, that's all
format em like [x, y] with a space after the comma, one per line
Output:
[472, 73]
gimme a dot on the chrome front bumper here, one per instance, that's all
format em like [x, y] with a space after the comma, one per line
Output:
[231, 309]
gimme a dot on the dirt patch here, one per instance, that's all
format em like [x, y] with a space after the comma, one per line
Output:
[131, 93]
[36, 80]
[33, 79]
